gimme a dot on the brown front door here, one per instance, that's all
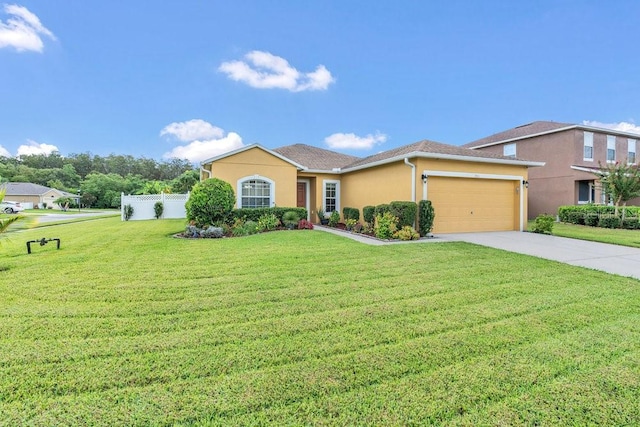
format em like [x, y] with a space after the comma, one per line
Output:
[301, 195]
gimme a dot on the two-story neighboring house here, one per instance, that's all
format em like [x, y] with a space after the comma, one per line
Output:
[571, 153]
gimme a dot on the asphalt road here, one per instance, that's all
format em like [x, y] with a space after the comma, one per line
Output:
[53, 217]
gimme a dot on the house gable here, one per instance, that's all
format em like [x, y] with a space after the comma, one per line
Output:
[254, 165]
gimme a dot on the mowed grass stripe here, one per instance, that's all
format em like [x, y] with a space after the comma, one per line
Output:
[234, 395]
[293, 343]
[378, 363]
[490, 389]
[174, 332]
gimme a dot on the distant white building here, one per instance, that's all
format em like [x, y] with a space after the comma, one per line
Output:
[31, 195]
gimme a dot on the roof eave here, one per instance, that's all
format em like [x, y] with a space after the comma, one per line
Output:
[458, 157]
[532, 135]
[249, 147]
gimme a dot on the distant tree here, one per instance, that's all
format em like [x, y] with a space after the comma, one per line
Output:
[173, 168]
[185, 182]
[88, 199]
[156, 187]
[620, 181]
[43, 161]
[82, 163]
[105, 188]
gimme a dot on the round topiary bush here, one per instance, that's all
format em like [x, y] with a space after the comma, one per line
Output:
[211, 202]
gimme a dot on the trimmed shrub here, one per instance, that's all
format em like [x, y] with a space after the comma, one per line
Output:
[407, 233]
[369, 214]
[427, 215]
[351, 213]
[254, 214]
[631, 224]
[565, 211]
[405, 212]
[268, 222]
[334, 219]
[386, 226]
[210, 201]
[576, 217]
[128, 212]
[591, 219]
[290, 219]
[609, 222]
[350, 223]
[382, 209]
[158, 208]
[543, 224]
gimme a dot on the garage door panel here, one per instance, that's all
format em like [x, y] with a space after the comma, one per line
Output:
[464, 205]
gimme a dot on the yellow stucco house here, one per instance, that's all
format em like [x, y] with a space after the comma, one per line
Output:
[470, 190]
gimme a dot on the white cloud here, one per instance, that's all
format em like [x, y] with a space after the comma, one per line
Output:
[22, 30]
[204, 140]
[353, 141]
[266, 71]
[621, 126]
[4, 152]
[192, 130]
[34, 147]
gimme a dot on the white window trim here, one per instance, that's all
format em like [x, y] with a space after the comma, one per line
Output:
[631, 148]
[588, 142]
[611, 145]
[307, 202]
[324, 193]
[272, 193]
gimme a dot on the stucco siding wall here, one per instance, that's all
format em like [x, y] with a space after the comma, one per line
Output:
[256, 162]
[316, 191]
[374, 186]
[23, 199]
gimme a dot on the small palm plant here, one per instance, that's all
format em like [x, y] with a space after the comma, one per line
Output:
[6, 222]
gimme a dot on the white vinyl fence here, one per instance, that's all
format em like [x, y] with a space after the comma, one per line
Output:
[173, 205]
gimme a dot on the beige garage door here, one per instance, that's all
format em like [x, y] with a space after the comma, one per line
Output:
[464, 204]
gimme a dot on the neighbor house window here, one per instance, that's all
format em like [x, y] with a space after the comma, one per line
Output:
[331, 196]
[255, 192]
[509, 150]
[588, 146]
[611, 148]
[586, 192]
[631, 155]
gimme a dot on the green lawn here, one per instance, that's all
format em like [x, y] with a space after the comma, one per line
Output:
[597, 234]
[126, 325]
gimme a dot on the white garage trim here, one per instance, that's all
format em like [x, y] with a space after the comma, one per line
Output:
[450, 174]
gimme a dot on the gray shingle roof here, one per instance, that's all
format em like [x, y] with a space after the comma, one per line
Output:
[520, 132]
[315, 158]
[24, 189]
[425, 146]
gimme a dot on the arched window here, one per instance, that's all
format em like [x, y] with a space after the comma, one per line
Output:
[255, 192]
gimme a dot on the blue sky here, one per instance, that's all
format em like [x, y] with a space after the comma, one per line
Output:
[192, 79]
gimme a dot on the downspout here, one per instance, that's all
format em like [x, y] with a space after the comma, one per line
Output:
[202, 169]
[522, 189]
[413, 178]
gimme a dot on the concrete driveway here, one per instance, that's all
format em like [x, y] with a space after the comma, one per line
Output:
[613, 259]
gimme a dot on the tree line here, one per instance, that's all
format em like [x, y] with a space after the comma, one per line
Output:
[100, 180]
